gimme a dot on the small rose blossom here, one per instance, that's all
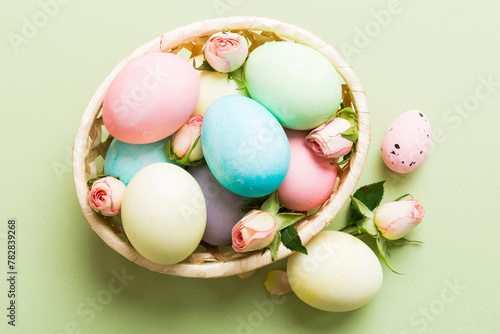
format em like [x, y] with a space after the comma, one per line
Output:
[327, 141]
[106, 196]
[226, 51]
[254, 231]
[184, 139]
[397, 219]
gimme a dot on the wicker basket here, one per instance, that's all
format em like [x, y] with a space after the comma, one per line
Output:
[92, 142]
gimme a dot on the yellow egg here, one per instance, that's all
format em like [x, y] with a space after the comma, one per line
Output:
[164, 213]
[341, 273]
[214, 85]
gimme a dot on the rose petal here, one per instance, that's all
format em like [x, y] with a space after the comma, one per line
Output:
[277, 282]
[247, 274]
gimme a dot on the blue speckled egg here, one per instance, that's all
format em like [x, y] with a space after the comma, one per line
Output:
[125, 160]
[245, 146]
[223, 206]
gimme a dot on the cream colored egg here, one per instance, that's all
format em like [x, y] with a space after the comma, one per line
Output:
[164, 213]
[214, 85]
[341, 273]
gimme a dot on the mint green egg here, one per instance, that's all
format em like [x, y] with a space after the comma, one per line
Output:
[298, 85]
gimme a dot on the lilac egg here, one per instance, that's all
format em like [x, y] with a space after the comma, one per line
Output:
[223, 206]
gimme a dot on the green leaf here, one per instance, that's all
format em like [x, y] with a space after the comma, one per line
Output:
[345, 113]
[286, 219]
[246, 38]
[367, 225]
[275, 245]
[403, 241]
[185, 160]
[370, 195]
[291, 240]
[238, 76]
[345, 159]
[205, 66]
[170, 153]
[350, 229]
[349, 114]
[271, 205]
[90, 182]
[365, 212]
[351, 133]
[254, 203]
[382, 249]
[401, 197]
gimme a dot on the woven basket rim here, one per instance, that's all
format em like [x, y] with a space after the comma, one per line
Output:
[172, 39]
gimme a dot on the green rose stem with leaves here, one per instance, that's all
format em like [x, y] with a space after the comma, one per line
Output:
[352, 133]
[285, 232]
[364, 203]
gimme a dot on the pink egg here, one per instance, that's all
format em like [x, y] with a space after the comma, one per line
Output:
[407, 142]
[150, 98]
[310, 179]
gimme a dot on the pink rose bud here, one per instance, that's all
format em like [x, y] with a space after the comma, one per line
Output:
[106, 196]
[226, 51]
[327, 141]
[254, 231]
[184, 139]
[397, 219]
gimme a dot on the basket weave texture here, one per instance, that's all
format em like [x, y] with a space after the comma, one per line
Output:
[92, 142]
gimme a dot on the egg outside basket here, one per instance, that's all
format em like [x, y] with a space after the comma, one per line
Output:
[92, 142]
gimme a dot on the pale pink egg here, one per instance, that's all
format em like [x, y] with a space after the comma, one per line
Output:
[407, 142]
[150, 98]
[310, 179]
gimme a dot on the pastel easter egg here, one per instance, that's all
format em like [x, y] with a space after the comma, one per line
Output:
[223, 206]
[341, 273]
[164, 213]
[245, 146]
[125, 160]
[295, 82]
[214, 85]
[150, 98]
[407, 142]
[310, 179]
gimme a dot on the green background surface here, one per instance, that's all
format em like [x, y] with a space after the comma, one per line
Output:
[433, 56]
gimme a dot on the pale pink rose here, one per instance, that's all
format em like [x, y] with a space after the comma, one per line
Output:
[254, 231]
[186, 136]
[397, 219]
[226, 51]
[106, 196]
[327, 141]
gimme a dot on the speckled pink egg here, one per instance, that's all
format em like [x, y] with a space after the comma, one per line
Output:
[150, 98]
[407, 142]
[310, 179]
